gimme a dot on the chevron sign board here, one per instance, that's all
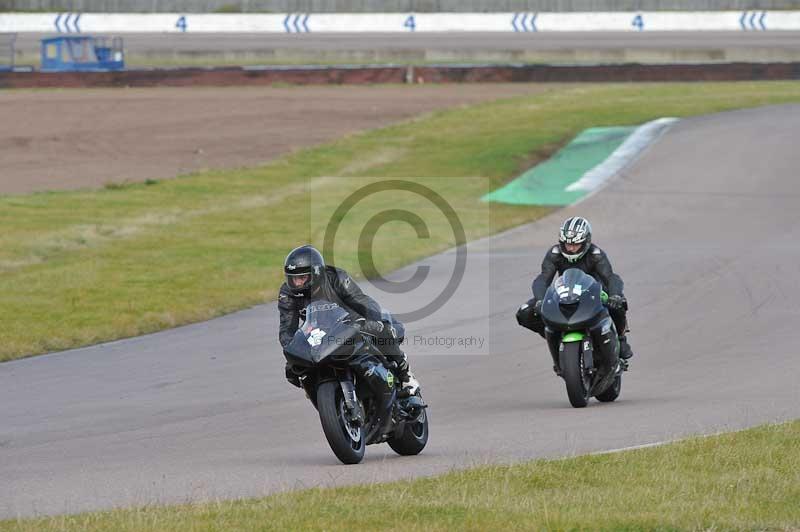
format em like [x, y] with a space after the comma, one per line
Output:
[518, 22]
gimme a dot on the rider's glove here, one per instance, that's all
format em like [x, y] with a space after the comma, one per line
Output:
[537, 308]
[617, 302]
[372, 327]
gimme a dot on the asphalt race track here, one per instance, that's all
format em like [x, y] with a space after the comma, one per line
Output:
[702, 228]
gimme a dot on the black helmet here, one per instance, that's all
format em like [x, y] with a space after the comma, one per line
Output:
[304, 268]
[575, 230]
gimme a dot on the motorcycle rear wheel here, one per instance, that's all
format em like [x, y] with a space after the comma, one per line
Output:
[413, 439]
[612, 392]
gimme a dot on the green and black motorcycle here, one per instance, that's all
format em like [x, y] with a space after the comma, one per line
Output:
[582, 338]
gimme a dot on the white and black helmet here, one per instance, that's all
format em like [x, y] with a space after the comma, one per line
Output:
[575, 230]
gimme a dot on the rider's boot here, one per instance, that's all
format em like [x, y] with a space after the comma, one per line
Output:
[410, 384]
[625, 351]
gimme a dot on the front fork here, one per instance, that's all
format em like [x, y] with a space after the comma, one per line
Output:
[355, 412]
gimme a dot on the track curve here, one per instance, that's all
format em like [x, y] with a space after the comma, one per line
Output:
[700, 227]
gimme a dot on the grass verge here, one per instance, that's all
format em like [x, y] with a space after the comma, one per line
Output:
[747, 480]
[89, 266]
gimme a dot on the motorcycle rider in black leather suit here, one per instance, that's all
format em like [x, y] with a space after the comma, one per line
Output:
[309, 279]
[575, 250]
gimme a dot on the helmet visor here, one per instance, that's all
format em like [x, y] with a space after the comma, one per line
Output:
[298, 281]
[573, 252]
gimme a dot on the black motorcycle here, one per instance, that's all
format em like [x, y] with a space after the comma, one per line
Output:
[582, 338]
[352, 385]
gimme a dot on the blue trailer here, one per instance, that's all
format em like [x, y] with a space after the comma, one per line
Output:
[82, 53]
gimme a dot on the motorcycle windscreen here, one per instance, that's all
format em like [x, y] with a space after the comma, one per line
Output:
[325, 330]
[572, 300]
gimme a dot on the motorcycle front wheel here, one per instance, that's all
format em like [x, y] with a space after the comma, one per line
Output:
[346, 440]
[574, 373]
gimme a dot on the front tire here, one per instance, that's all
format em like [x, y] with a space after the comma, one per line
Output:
[571, 362]
[413, 439]
[346, 441]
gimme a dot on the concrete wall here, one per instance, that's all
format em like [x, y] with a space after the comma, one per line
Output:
[376, 6]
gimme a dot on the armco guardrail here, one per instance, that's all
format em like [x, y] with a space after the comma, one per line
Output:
[520, 22]
[7, 51]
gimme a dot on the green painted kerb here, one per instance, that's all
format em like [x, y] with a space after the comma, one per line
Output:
[572, 337]
[546, 183]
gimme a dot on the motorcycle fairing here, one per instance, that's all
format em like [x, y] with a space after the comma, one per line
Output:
[572, 302]
[325, 330]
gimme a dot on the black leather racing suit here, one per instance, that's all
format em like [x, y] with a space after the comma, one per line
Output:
[338, 287]
[595, 263]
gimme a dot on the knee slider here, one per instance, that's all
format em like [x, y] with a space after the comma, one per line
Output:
[524, 314]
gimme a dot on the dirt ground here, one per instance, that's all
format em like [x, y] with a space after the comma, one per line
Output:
[66, 139]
